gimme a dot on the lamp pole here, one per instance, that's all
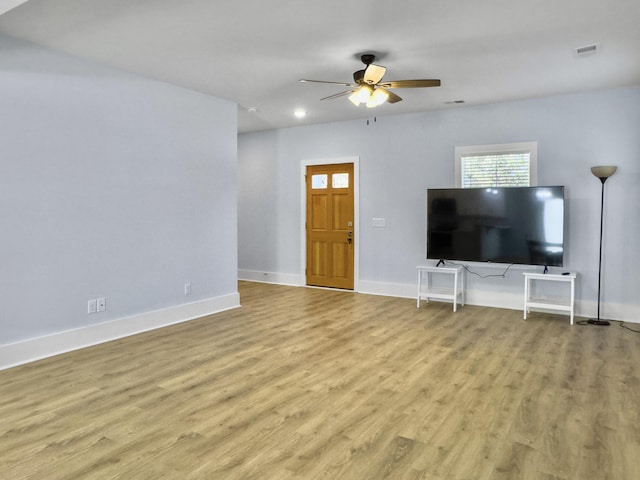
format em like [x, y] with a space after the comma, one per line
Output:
[602, 173]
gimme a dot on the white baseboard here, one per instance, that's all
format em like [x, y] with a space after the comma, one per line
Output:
[481, 298]
[472, 297]
[401, 290]
[270, 277]
[609, 311]
[42, 347]
[509, 301]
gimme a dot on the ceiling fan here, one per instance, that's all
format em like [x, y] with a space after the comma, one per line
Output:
[368, 87]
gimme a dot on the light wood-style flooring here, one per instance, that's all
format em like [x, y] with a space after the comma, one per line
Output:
[303, 383]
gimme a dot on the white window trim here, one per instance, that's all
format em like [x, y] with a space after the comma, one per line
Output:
[500, 149]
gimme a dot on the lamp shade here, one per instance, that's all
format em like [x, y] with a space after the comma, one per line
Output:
[361, 95]
[353, 98]
[603, 171]
[378, 97]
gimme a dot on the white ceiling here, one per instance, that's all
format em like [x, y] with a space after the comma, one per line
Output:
[253, 52]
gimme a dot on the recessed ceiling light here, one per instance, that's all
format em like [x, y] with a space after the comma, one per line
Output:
[299, 113]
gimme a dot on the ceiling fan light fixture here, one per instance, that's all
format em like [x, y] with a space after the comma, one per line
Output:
[361, 95]
[353, 98]
[378, 97]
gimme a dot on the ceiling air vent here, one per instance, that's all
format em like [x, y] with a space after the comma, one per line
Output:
[587, 49]
[451, 102]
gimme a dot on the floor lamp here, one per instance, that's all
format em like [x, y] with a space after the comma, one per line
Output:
[602, 173]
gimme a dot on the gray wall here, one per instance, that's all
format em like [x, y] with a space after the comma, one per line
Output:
[401, 156]
[110, 186]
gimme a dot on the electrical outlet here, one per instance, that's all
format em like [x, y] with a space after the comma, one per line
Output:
[187, 288]
[92, 306]
[102, 304]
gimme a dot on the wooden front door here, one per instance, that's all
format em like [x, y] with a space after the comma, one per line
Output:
[329, 225]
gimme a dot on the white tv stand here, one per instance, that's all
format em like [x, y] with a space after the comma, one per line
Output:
[563, 305]
[426, 290]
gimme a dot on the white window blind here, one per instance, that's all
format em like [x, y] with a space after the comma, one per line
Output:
[496, 170]
[500, 165]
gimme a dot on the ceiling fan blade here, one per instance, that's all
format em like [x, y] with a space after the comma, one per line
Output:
[393, 98]
[373, 74]
[411, 83]
[325, 81]
[336, 95]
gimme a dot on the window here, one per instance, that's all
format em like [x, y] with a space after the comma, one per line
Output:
[504, 165]
[319, 181]
[340, 180]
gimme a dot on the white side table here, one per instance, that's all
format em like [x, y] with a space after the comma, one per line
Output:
[562, 305]
[426, 290]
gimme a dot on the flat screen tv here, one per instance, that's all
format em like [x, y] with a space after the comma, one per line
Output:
[522, 225]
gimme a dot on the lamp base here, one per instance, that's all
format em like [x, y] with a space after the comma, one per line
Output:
[597, 321]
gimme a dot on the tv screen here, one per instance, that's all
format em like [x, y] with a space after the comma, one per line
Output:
[523, 225]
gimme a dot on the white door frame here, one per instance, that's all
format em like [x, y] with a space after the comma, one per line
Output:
[356, 214]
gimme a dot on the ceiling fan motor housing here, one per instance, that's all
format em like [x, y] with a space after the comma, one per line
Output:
[367, 58]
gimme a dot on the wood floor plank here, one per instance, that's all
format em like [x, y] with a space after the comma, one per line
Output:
[305, 383]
